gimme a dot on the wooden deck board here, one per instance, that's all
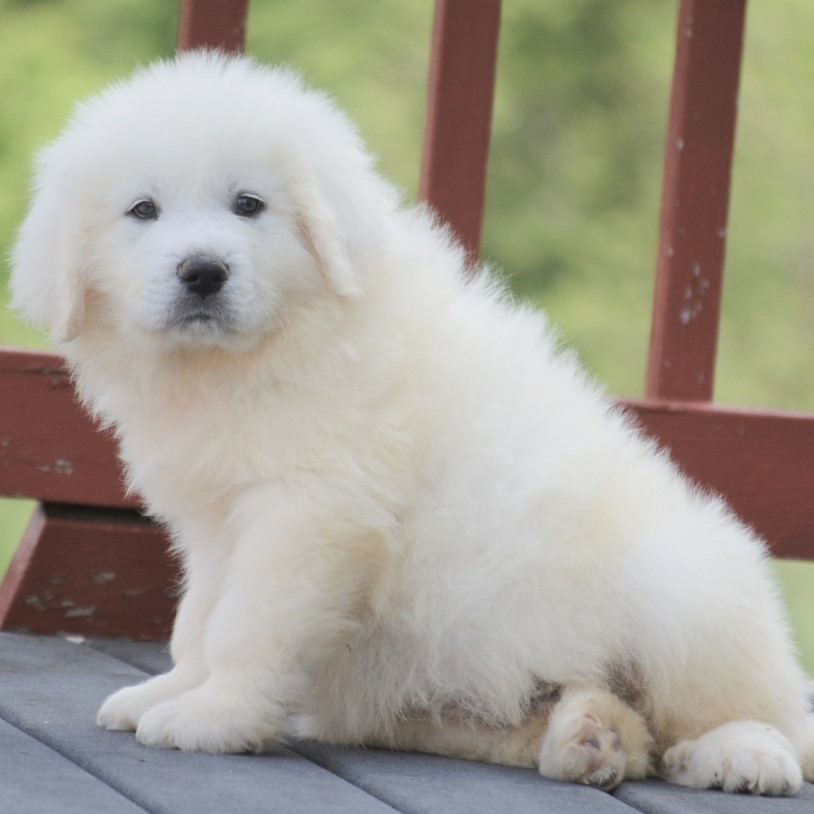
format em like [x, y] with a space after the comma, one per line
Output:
[149, 657]
[55, 759]
[51, 690]
[655, 797]
[35, 778]
[429, 784]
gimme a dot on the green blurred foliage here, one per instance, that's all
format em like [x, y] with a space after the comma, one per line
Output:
[583, 88]
[575, 169]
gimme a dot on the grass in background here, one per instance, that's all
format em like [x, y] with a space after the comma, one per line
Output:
[14, 517]
[575, 170]
[796, 581]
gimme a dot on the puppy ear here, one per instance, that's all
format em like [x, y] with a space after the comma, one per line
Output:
[47, 281]
[325, 240]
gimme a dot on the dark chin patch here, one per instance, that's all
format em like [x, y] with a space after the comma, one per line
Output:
[201, 317]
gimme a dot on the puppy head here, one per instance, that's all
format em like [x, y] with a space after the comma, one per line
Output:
[198, 203]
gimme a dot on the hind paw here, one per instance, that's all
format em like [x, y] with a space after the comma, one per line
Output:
[741, 756]
[593, 738]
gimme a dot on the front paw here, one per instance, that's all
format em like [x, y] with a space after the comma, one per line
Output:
[124, 709]
[210, 720]
[741, 756]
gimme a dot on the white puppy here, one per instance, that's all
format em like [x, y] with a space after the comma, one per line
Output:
[403, 514]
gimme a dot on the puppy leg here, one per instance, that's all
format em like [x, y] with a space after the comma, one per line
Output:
[294, 575]
[588, 736]
[740, 756]
[594, 738]
[517, 746]
[123, 709]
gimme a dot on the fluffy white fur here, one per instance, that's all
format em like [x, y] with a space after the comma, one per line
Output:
[404, 515]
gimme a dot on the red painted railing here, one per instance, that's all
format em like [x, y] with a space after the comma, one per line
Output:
[695, 200]
[459, 114]
[87, 542]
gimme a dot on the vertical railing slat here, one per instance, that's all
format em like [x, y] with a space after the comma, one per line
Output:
[459, 114]
[213, 24]
[695, 200]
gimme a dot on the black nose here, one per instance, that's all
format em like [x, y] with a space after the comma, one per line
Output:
[203, 275]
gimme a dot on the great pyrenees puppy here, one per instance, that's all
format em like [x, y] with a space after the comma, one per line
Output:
[406, 518]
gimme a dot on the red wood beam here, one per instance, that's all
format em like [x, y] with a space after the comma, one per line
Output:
[94, 574]
[50, 448]
[217, 24]
[695, 199]
[459, 114]
[761, 461]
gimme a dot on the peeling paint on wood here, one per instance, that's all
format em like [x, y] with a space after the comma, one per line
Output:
[55, 451]
[760, 461]
[74, 613]
[102, 578]
[695, 200]
[128, 590]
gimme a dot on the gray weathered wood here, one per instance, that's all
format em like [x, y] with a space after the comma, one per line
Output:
[52, 751]
[655, 797]
[150, 657]
[429, 784]
[36, 780]
[51, 689]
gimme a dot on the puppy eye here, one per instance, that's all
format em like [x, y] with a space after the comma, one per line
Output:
[143, 210]
[248, 206]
